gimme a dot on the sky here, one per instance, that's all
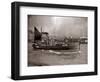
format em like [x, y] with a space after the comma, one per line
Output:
[60, 26]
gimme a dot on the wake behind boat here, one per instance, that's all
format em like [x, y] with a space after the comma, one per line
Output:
[65, 52]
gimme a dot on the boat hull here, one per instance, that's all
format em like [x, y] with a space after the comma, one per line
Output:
[54, 47]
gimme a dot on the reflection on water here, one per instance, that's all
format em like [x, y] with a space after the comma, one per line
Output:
[58, 57]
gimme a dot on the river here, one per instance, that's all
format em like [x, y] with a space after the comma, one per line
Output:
[62, 57]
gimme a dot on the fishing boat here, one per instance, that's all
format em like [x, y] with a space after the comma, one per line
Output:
[42, 40]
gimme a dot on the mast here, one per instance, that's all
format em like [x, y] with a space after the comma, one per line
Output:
[41, 29]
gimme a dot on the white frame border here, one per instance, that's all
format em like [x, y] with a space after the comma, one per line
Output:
[25, 70]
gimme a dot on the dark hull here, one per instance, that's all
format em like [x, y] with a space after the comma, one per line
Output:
[55, 47]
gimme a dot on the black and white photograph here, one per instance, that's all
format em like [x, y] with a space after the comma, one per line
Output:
[57, 40]
[53, 40]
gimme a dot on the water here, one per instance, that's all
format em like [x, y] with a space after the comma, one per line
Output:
[62, 57]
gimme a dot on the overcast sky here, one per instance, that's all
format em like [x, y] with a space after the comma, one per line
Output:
[59, 25]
